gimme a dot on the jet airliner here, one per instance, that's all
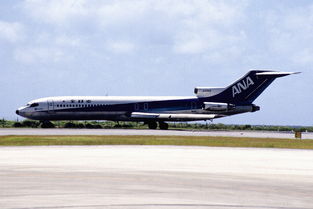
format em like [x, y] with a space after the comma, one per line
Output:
[208, 103]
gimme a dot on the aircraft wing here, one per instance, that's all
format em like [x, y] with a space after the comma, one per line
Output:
[172, 116]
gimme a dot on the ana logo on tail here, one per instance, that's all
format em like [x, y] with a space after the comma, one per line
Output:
[242, 85]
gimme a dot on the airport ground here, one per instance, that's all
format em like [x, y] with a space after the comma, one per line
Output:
[143, 132]
[124, 176]
[85, 177]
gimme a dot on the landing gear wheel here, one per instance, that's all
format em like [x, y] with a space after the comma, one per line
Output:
[152, 125]
[46, 124]
[163, 126]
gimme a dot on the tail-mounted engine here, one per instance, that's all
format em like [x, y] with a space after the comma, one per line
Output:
[208, 91]
[215, 106]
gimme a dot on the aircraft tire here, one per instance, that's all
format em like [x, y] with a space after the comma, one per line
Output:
[163, 126]
[46, 124]
[152, 125]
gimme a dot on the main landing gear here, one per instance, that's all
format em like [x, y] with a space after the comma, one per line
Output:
[154, 125]
[163, 125]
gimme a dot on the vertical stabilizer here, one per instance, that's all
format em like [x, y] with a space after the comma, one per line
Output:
[249, 87]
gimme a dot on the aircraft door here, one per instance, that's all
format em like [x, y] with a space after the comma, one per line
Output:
[145, 106]
[193, 107]
[50, 106]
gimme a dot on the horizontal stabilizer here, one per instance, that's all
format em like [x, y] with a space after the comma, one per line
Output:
[165, 116]
[275, 73]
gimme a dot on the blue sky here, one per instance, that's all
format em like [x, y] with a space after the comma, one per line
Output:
[148, 47]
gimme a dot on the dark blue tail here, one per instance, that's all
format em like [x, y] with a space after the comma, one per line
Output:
[248, 88]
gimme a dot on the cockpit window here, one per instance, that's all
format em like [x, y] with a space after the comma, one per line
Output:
[34, 105]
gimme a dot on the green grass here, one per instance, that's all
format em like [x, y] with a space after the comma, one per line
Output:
[156, 140]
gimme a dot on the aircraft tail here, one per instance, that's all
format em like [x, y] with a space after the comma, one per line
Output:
[249, 87]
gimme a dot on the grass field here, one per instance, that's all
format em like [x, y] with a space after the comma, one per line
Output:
[156, 140]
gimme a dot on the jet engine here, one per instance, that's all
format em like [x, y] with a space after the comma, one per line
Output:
[215, 106]
[207, 91]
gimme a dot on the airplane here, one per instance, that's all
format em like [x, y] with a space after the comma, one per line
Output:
[208, 103]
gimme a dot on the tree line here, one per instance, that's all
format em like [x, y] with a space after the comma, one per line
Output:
[138, 125]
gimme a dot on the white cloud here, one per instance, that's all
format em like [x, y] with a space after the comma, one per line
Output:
[120, 46]
[11, 32]
[55, 11]
[117, 12]
[31, 55]
[191, 26]
[46, 48]
[208, 40]
[291, 33]
[208, 25]
[65, 40]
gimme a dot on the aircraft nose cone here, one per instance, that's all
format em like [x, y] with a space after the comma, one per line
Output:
[17, 112]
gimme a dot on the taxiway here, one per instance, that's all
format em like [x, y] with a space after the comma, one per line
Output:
[54, 177]
[59, 131]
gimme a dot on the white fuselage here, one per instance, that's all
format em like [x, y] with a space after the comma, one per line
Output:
[119, 108]
[209, 103]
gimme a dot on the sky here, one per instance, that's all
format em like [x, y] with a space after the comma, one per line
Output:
[157, 48]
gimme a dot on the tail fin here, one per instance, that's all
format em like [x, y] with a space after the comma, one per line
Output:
[249, 87]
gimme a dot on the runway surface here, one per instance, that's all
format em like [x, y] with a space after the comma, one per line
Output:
[261, 134]
[133, 177]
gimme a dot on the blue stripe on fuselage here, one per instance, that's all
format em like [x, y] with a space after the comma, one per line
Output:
[167, 105]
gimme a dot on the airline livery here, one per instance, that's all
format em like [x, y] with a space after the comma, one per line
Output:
[208, 104]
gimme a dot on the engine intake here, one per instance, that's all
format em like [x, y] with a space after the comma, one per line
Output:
[207, 91]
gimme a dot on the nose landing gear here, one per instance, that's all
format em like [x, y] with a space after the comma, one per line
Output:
[46, 124]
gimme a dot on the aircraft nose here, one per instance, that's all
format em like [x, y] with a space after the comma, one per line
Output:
[20, 111]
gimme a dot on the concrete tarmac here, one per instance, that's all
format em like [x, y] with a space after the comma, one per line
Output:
[59, 131]
[135, 177]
